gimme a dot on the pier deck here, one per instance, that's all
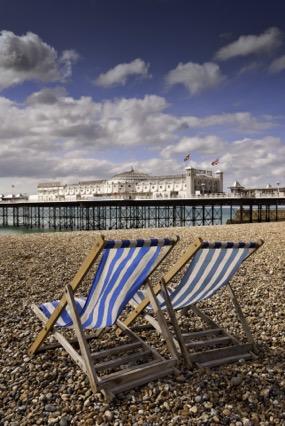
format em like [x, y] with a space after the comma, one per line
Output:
[147, 213]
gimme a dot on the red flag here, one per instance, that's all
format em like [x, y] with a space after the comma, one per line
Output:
[215, 162]
[187, 157]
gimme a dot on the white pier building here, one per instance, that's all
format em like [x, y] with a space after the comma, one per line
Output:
[136, 185]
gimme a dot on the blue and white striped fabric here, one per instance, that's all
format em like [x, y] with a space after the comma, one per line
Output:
[211, 268]
[124, 267]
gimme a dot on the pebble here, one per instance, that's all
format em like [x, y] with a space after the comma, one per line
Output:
[49, 388]
[236, 381]
[51, 408]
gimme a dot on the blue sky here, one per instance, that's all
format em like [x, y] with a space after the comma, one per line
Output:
[91, 88]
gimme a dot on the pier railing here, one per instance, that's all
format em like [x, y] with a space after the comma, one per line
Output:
[126, 214]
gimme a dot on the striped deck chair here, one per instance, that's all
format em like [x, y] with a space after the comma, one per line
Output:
[212, 266]
[123, 268]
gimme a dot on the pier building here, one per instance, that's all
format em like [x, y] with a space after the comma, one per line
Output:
[133, 184]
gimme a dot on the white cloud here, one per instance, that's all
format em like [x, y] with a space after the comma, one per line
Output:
[55, 136]
[252, 44]
[240, 120]
[122, 72]
[67, 59]
[27, 57]
[195, 77]
[252, 161]
[210, 144]
[277, 65]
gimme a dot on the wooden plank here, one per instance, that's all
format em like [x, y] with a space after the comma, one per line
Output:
[122, 360]
[145, 379]
[78, 278]
[220, 353]
[72, 341]
[222, 361]
[202, 333]
[133, 335]
[211, 323]
[209, 342]
[85, 352]
[135, 373]
[142, 327]
[63, 342]
[126, 371]
[189, 253]
[116, 350]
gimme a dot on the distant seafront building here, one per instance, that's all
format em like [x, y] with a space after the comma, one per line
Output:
[136, 185]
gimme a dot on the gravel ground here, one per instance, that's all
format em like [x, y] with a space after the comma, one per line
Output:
[50, 389]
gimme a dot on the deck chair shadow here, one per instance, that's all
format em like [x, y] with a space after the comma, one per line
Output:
[124, 267]
[212, 266]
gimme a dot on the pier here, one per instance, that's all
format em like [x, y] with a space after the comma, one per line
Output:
[127, 214]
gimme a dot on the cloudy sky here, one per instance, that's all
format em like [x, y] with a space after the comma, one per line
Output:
[90, 88]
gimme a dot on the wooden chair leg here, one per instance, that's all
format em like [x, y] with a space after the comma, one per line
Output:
[176, 327]
[162, 322]
[242, 318]
[85, 352]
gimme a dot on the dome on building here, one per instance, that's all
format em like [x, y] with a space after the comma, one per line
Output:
[132, 175]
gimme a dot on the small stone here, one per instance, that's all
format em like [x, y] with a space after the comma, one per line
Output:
[50, 408]
[99, 419]
[194, 409]
[109, 415]
[64, 421]
[265, 392]
[65, 397]
[185, 412]
[198, 398]
[236, 381]
[52, 420]
[208, 404]
[226, 412]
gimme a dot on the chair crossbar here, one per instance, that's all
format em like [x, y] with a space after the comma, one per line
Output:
[153, 242]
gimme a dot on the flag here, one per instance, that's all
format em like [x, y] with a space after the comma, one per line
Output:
[187, 157]
[215, 162]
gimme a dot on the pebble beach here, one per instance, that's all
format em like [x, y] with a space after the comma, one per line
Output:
[49, 388]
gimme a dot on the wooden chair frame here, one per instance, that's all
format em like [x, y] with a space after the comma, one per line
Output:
[115, 382]
[178, 339]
